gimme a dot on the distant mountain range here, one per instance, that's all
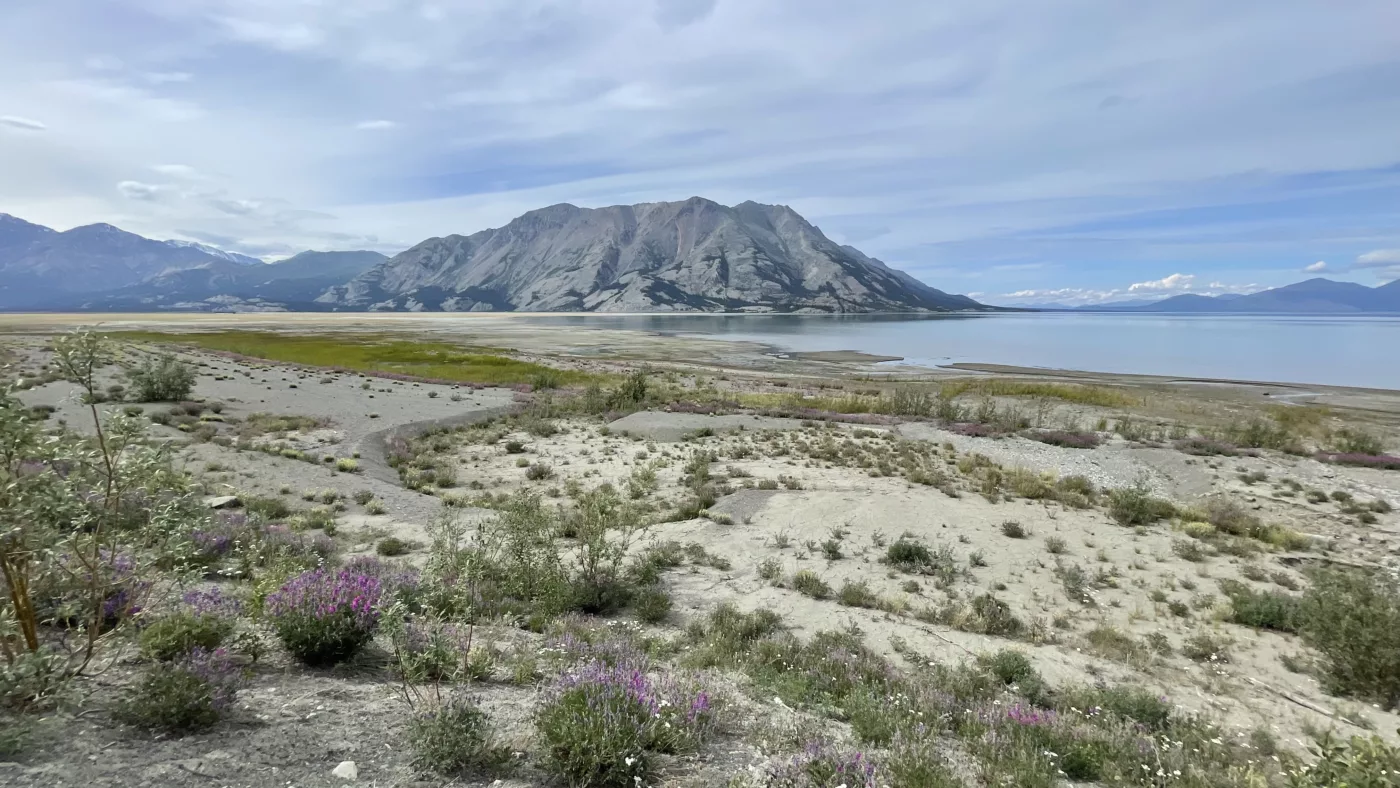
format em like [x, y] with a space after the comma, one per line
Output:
[1315, 296]
[693, 255]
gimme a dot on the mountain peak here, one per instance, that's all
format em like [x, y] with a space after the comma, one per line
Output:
[690, 255]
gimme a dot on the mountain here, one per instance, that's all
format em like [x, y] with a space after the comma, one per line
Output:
[1314, 296]
[223, 285]
[212, 251]
[695, 255]
[54, 267]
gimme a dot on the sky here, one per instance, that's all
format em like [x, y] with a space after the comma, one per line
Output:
[1072, 151]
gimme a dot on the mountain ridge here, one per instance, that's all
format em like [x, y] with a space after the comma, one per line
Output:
[1318, 295]
[689, 255]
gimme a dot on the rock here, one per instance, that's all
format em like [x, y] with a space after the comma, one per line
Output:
[223, 502]
[347, 770]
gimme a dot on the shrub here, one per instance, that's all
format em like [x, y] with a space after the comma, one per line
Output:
[1055, 545]
[908, 555]
[917, 757]
[1136, 506]
[429, 649]
[323, 617]
[166, 379]
[857, 594]
[1358, 762]
[453, 737]
[1014, 530]
[185, 695]
[822, 765]
[1206, 447]
[1348, 441]
[363, 497]
[391, 546]
[1352, 618]
[1261, 609]
[1068, 440]
[652, 605]
[269, 509]
[347, 465]
[1381, 461]
[538, 472]
[1206, 648]
[204, 620]
[808, 583]
[600, 723]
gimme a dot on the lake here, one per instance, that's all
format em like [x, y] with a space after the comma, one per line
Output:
[1333, 350]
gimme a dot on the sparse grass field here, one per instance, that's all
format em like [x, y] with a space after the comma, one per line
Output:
[370, 353]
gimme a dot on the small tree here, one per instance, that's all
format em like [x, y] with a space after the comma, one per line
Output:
[166, 379]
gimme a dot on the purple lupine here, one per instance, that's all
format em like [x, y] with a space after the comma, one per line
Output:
[1381, 461]
[217, 670]
[821, 765]
[666, 713]
[218, 539]
[324, 617]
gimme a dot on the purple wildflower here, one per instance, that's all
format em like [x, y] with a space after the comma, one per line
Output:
[324, 617]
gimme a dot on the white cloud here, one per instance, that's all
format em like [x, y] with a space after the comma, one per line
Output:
[1380, 258]
[136, 190]
[993, 135]
[376, 125]
[1170, 284]
[1317, 267]
[23, 124]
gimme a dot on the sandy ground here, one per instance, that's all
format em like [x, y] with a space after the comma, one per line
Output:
[787, 498]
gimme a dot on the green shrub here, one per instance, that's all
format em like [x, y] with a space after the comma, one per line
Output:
[808, 583]
[538, 472]
[166, 379]
[453, 737]
[1262, 609]
[1136, 506]
[857, 594]
[1352, 618]
[363, 497]
[652, 605]
[347, 465]
[180, 633]
[1014, 530]
[391, 546]
[181, 696]
[908, 555]
[1349, 441]
[268, 509]
[1360, 762]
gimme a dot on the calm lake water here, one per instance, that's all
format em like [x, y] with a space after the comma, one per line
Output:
[1335, 350]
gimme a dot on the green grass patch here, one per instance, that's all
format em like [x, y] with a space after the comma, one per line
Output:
[371, 353]
[1065, 392]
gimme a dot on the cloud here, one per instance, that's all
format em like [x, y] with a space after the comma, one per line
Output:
[1316, 268]
[23, 124]
[376, 125]
[1380, 258]
[993, 135]
[136, 190]
[1171, 284]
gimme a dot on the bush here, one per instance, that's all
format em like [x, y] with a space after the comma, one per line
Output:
[205, 620]
[1136, 506]
[166, 379]
[347, 465]
[908, 555]
[363, 497]
[1348, 441]
[1261, 609]
[600, 723]
[857, 594]
[538, 472]
[1067, 440]
[821, 765]
[186, 695]
[1206, 447]
[454, 737]
[323, 617]
[1352, 618]
[652, 605]
[1014, 530]
[429, 649]
[1358, 762]
[391, 546]
[269, 509]
[810, 584]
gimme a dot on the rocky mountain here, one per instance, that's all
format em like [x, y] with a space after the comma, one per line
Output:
[695, 255]
[232, 257]
[224, 285]
[1314, 296]
[40, 267]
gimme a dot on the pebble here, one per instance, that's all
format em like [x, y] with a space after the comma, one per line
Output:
[347, 770]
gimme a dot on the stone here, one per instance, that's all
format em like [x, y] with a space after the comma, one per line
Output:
[223, 502]
[347, 770]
